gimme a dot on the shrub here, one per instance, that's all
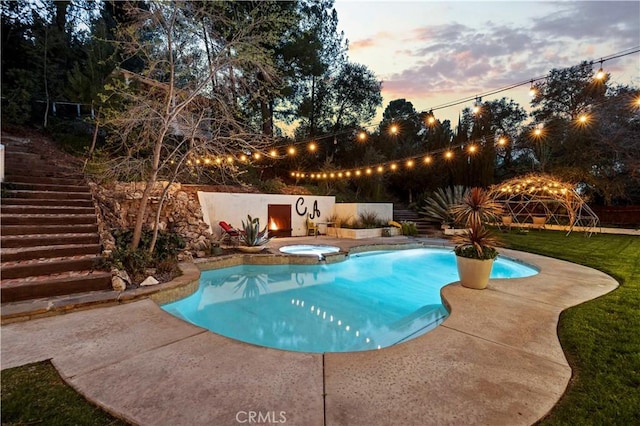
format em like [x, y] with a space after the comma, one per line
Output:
[438, 206]
[368, 220]
[135, 262]
[409, 228]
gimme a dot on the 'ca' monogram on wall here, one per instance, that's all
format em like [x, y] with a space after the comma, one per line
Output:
[299, 205]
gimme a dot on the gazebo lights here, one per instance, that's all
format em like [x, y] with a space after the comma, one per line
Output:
[544, 196]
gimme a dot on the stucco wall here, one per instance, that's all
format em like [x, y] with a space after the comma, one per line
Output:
[351, 211]
[233, 208]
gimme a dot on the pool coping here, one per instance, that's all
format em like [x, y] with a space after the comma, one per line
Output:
[495, 360]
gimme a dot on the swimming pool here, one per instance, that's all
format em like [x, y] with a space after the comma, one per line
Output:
[370, 301]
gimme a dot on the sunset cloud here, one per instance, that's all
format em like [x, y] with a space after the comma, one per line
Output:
[431, 51]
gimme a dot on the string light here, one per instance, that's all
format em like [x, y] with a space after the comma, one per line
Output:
[600, 74]
[477, 105]
[532, 90]
[431, 119]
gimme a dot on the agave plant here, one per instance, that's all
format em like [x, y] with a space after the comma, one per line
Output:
[252, 235]
[438, 205]
[477, 208]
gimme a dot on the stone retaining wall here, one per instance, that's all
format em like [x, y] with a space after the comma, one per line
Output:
[118, 204]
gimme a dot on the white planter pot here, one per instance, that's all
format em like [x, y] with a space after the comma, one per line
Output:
[474, 273]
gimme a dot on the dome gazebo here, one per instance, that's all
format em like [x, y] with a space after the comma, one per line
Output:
[535, 200]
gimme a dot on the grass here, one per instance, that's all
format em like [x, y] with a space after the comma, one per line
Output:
[36, 394]
[601, 338]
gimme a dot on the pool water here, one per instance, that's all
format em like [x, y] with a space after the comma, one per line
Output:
[370, 301]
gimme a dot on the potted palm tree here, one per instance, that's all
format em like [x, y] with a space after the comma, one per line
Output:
[476, 247]
[253, 239]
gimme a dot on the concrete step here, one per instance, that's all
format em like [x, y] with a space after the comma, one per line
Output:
[7, 201]
[16, 173]
[48, 195]
[48, 219]
[46, 180]
[28, 209]
[47, 229]
[47, 187]
[28, 268]
[21, 241]
[35, 287]
[46, 252]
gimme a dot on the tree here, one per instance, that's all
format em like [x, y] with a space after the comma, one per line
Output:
[590, 131]
[170, 114]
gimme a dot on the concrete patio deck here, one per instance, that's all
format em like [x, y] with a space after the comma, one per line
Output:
[495, 361]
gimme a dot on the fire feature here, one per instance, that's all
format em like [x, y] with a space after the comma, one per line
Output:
[279, 220]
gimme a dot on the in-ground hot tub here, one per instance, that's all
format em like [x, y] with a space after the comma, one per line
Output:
[317, 250]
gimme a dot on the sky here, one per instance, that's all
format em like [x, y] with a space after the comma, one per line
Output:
[433, 52]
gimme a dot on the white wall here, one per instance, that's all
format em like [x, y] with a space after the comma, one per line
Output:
[233, 208]
[351, 211]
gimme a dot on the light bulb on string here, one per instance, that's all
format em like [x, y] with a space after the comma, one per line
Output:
[312, 146]
[448, 155]
[502, 141]
[257, 155]
[427, 159]
[472, 149]
[583, 119]
[291, 150]
[362, 136]
[410, 163]
[380, 169]
[477, 105]
[393, 129]
[273, 153]
[431, 119]
[600, 74]
[532, 90]
[393, 167]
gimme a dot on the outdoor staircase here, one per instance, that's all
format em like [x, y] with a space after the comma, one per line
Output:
[49, 235]
[424, 226]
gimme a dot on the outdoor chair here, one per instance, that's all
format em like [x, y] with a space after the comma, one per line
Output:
[539, 222]
[507, 222]
[230, 234]
[312, 228]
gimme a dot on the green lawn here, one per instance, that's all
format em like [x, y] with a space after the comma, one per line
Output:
[601, 338]
[35, 394]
